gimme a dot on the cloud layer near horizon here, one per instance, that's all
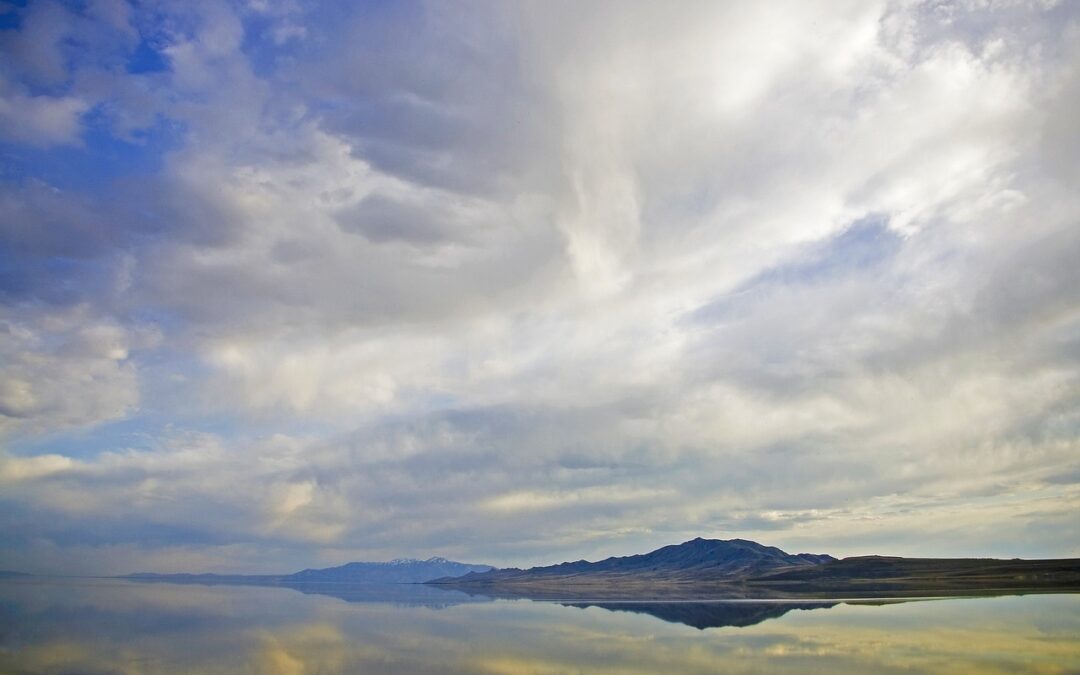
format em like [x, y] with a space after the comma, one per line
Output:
[285, 283]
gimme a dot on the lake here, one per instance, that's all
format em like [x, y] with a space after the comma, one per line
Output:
[114, 626]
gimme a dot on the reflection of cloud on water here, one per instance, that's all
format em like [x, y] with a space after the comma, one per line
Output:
[316, 647]
[136, 628]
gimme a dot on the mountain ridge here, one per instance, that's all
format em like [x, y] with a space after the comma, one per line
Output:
[739, 568]
[697, 559]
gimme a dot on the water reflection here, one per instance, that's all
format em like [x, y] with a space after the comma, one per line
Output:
[711, 614]
[124, 627]
[704, 614]
[410, 595]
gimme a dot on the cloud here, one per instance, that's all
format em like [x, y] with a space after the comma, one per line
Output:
[382, 219]
[57, 59]
[41, 120]
[16, 469]
[516, 283]
[65, 369]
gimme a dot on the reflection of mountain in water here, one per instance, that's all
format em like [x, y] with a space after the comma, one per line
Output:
[410, 595]
[704, 615]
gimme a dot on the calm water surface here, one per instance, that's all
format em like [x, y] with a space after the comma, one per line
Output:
[105, 626]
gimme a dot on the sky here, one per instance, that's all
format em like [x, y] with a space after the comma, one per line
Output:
[287, 284]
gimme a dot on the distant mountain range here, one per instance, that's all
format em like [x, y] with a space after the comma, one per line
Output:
[694, 570]
[398, 571]
[738, 568]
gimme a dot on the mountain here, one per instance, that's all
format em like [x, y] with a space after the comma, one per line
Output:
[698, 560]
[713, 569]
[741, 569]
[399, 571]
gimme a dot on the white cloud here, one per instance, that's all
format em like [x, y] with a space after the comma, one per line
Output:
[63, 369]
[14, 469]
[811, 263]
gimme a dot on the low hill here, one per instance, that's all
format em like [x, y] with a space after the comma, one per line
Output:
[399, 571]
[876, 574]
